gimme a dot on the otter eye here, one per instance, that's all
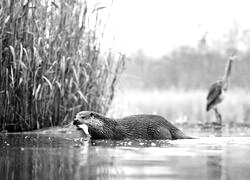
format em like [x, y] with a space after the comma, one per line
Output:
[83, 117]
[91, 114]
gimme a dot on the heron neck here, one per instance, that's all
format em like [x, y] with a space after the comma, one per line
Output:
[227, 72]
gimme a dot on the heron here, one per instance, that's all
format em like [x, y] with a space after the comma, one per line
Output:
[217, 91]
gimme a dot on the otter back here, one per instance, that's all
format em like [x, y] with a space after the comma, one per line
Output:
[148, 127]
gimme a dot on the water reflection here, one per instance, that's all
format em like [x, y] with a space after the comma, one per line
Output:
[44, 157]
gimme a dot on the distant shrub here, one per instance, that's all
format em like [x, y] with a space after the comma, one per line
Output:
[187, 68]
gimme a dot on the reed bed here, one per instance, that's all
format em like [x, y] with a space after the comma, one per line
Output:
[183, 107]
[51, 63]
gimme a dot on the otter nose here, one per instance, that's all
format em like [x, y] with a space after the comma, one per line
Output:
[76, 122]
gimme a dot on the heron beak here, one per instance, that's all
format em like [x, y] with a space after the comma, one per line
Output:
[234, 57]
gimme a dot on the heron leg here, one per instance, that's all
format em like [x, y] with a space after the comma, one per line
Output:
[218, 116]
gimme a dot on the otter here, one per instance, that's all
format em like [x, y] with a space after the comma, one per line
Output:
[142, 126]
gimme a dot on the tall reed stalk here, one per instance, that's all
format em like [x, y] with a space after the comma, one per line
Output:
[51, 64]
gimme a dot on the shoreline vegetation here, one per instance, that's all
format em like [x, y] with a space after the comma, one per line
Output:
[182, 107]
[52, 64]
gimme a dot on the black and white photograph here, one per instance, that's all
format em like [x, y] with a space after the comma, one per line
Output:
[124, 90]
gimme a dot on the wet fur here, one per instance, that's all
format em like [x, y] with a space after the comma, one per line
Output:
[131, 127]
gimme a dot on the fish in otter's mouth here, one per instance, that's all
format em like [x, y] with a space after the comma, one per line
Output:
[81, 125]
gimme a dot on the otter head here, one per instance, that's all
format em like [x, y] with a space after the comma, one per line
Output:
[94, 124]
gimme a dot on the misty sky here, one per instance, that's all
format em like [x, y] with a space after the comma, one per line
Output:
[159, 26]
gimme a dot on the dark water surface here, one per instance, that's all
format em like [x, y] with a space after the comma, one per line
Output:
[43, 156]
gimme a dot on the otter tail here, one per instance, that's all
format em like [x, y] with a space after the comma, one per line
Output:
[178, 134]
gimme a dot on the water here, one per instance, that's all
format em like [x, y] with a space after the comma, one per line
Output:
[63, 156]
